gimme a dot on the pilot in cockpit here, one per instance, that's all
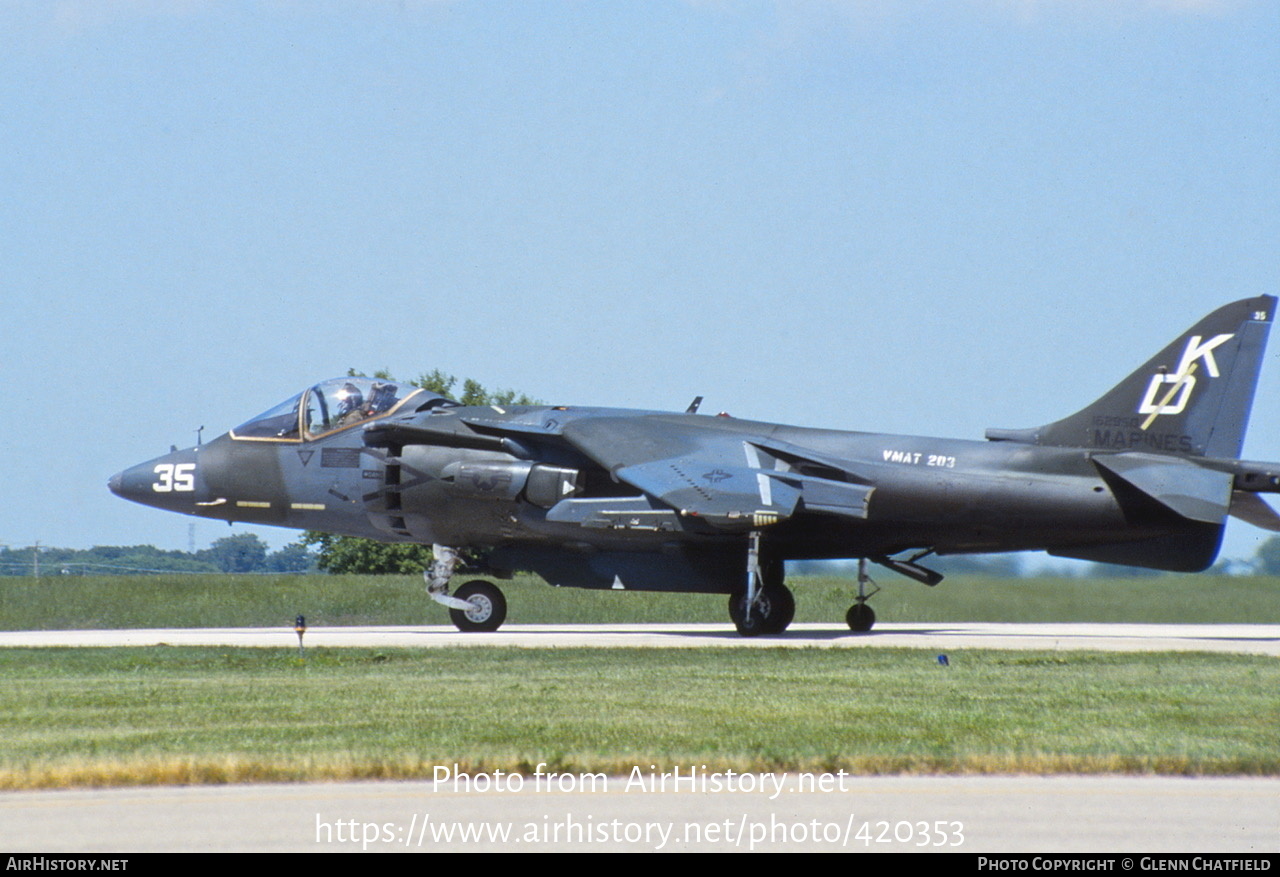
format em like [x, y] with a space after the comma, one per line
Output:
[350, 405]
[381, 398]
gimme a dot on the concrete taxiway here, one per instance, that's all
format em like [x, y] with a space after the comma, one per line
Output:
[1148, 815]
[1250, 639]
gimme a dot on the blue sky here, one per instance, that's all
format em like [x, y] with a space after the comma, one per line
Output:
[879, 215]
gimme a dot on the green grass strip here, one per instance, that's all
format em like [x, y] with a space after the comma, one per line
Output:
[181, 715]
[75, 602]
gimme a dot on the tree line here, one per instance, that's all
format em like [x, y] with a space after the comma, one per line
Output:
[248, 553]
[239, 553]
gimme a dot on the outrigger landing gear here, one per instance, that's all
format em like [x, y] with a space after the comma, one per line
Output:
[477, 605]
[860, 616]
[766, 606]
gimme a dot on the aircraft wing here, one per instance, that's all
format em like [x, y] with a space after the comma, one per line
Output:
[732, 479]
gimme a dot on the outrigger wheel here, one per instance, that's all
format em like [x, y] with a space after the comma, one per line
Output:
[860, 616]
[488, 607]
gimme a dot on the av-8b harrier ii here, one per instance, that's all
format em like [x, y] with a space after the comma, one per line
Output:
[647, 500]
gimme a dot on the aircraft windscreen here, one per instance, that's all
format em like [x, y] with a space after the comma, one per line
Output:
[333, 405]
[278, 422]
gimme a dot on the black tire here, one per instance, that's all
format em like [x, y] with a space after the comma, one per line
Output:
[782, 608]
[737, 613]
[776, 609]
[490, 607]
[860, 618]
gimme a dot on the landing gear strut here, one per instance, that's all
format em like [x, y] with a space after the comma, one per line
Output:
[766, 606]
[477, 605]
[860, 616]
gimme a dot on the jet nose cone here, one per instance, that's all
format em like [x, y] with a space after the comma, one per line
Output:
[134, 484]
[170, 482]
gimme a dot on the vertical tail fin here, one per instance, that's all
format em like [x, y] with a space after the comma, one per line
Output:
[1193, 397]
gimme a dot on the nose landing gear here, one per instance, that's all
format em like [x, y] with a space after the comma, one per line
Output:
[476, 606]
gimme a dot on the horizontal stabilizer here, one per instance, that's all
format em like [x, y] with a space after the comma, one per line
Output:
[1253, 509]
[1195, 493]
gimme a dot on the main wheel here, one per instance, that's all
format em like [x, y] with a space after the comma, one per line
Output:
[771, 614]
[782, 608]
[860, 617]
[489, 607]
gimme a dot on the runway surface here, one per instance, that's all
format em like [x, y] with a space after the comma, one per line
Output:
[1251, 639]
[882, 814]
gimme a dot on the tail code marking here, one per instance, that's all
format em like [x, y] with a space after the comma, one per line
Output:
[1183, 379]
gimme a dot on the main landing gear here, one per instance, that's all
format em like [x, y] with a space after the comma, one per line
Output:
[766, 606]
[476, 606]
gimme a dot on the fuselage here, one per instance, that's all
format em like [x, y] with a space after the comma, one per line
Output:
[950, 495]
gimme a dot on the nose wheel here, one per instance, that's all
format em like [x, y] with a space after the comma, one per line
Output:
[488, 607]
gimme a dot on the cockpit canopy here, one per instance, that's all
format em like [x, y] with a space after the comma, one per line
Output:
[335, 405]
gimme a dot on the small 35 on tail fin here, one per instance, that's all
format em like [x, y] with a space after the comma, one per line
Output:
[1193, 397]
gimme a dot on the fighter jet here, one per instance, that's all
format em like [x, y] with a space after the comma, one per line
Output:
[660, 501]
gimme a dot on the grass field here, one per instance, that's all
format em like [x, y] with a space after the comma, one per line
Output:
[73, 602]
[176, 715]
[156, 715]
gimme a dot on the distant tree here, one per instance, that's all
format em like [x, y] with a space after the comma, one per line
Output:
[148, 561]
[244, 552]
[353, 554]
[1267, 560]
[436, 382]
[99, 560]
[294, 557]
[473, 393]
